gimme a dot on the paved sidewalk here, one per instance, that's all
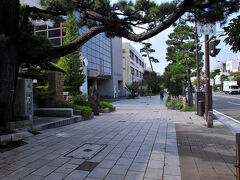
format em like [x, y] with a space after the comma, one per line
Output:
[141, 145]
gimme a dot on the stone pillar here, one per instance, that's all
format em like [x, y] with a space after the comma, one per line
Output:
[55, 83]
[94, 100]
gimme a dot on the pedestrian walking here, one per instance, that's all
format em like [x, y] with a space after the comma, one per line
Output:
[161, 94]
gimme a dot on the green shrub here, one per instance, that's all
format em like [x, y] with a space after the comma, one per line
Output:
[44, 88]
[80, 99]
[104, 104]
[85, 110]
[176, 105]
[68, 88]
[188, 108]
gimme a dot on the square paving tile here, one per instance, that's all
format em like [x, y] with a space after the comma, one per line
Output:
[119, 169]
[99, 173]
[77, 175]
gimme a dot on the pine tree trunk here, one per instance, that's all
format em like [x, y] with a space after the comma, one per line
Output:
[8, 78]
[190, 96]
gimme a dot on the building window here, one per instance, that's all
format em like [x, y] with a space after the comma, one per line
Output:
[136, 59]
[131, 55]
[137, 73]
[132, 70]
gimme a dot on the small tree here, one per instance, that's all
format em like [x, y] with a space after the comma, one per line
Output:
[237, 77]
[132, 88]
[72, 63]
[213, 74]
[146, 51]
[152, 81]
[181, 53]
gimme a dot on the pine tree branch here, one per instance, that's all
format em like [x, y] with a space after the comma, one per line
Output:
[48, 54]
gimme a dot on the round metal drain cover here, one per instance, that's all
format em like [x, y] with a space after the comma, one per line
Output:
[87, 150]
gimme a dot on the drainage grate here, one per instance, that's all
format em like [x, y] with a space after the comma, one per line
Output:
[121, 121]
[87, 166]
[86, 151]
[155, 111]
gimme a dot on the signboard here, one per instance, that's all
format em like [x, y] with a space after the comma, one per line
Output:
[85, 62]
[206, 29]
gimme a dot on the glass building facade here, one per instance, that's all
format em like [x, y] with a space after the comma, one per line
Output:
[98, 52]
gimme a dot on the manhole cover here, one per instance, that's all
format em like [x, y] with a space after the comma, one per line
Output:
[155, 111]
[86, 151]
[87, 166]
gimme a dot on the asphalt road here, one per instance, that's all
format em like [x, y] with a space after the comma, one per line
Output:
[227, 104]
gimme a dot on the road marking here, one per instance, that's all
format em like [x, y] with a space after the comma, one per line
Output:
[226, 116]
[226, 96]
[233, 103]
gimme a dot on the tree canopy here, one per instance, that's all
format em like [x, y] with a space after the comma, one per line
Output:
[232, 31]
[181, 55]
[146, 51]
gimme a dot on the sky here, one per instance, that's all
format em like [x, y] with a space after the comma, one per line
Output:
[158, 43]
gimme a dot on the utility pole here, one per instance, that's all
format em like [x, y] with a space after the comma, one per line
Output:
[206, 37]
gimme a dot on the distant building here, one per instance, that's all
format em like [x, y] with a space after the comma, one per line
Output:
[221, 66]
[233, 66]
[133, 64]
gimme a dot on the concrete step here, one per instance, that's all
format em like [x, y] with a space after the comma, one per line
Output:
[53, 112]
[41, 123]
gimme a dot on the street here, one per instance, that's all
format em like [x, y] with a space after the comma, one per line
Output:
[227, 104]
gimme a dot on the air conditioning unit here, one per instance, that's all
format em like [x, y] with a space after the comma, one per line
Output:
[24, 98]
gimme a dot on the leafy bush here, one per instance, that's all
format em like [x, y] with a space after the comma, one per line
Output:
[176, 105]
[85, 110]
[104, 104]
[43, 88]
[133, 88]
[68, 88]
[188, 108]
[80, 99]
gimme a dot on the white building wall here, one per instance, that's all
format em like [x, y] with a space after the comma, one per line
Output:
[129, 63]
[233, 65]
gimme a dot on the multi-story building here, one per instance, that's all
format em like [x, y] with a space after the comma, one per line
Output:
[233, 66]
[133, 64]
[104, 56]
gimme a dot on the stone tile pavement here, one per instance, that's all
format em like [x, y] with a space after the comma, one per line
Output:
[142, 144]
